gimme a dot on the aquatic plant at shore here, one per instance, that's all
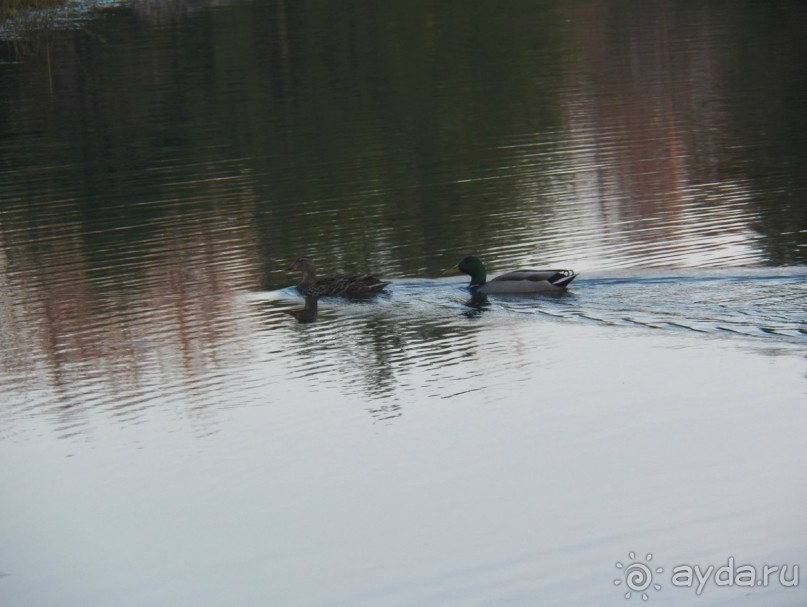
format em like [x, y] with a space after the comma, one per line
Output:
[14, 8]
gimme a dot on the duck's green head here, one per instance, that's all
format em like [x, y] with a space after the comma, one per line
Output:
[473, 267]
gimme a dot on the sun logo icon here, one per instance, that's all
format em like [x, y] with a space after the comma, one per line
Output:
[638, 576]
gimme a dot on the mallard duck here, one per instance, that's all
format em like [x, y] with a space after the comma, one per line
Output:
[349, 285]
[308, 313]
[519, 281]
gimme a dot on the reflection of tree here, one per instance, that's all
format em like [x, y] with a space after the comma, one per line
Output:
[767, 83]
[360, 118]
[81, 336]
[378, 353]
[371, 132]
[160, 12]
[148, 172]
[645, 159]
[374, 122]
[662, 111]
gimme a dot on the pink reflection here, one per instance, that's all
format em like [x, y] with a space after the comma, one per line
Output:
[79, 334]
[647, 145]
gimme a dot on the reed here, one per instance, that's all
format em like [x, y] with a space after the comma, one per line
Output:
[30, 23]
[10, 9]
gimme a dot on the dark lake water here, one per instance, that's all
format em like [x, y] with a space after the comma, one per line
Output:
[169, 434]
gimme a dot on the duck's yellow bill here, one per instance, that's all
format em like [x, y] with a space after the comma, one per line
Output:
[452, 271]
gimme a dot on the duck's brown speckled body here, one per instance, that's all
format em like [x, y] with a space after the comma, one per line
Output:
[347, 285]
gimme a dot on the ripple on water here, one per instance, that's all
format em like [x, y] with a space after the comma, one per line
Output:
[425, 336]
[422, 340]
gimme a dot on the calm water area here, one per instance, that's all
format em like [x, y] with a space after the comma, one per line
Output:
[171, 435]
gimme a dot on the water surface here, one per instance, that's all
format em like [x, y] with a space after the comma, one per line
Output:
[170, 434]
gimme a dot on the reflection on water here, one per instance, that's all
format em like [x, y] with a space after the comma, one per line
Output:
[413, 340]
[145, 198]
[68, 353]
[309, 312]
[111, 330]
[593, 135]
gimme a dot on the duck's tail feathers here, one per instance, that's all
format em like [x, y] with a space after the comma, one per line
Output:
[562, 278]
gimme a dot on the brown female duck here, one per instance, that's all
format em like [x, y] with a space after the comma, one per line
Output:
[348, 285]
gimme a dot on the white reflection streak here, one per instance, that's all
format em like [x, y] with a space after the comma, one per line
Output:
[601, 210]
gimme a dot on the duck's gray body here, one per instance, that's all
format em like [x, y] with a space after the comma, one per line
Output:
[518, 281]
[528, 281]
